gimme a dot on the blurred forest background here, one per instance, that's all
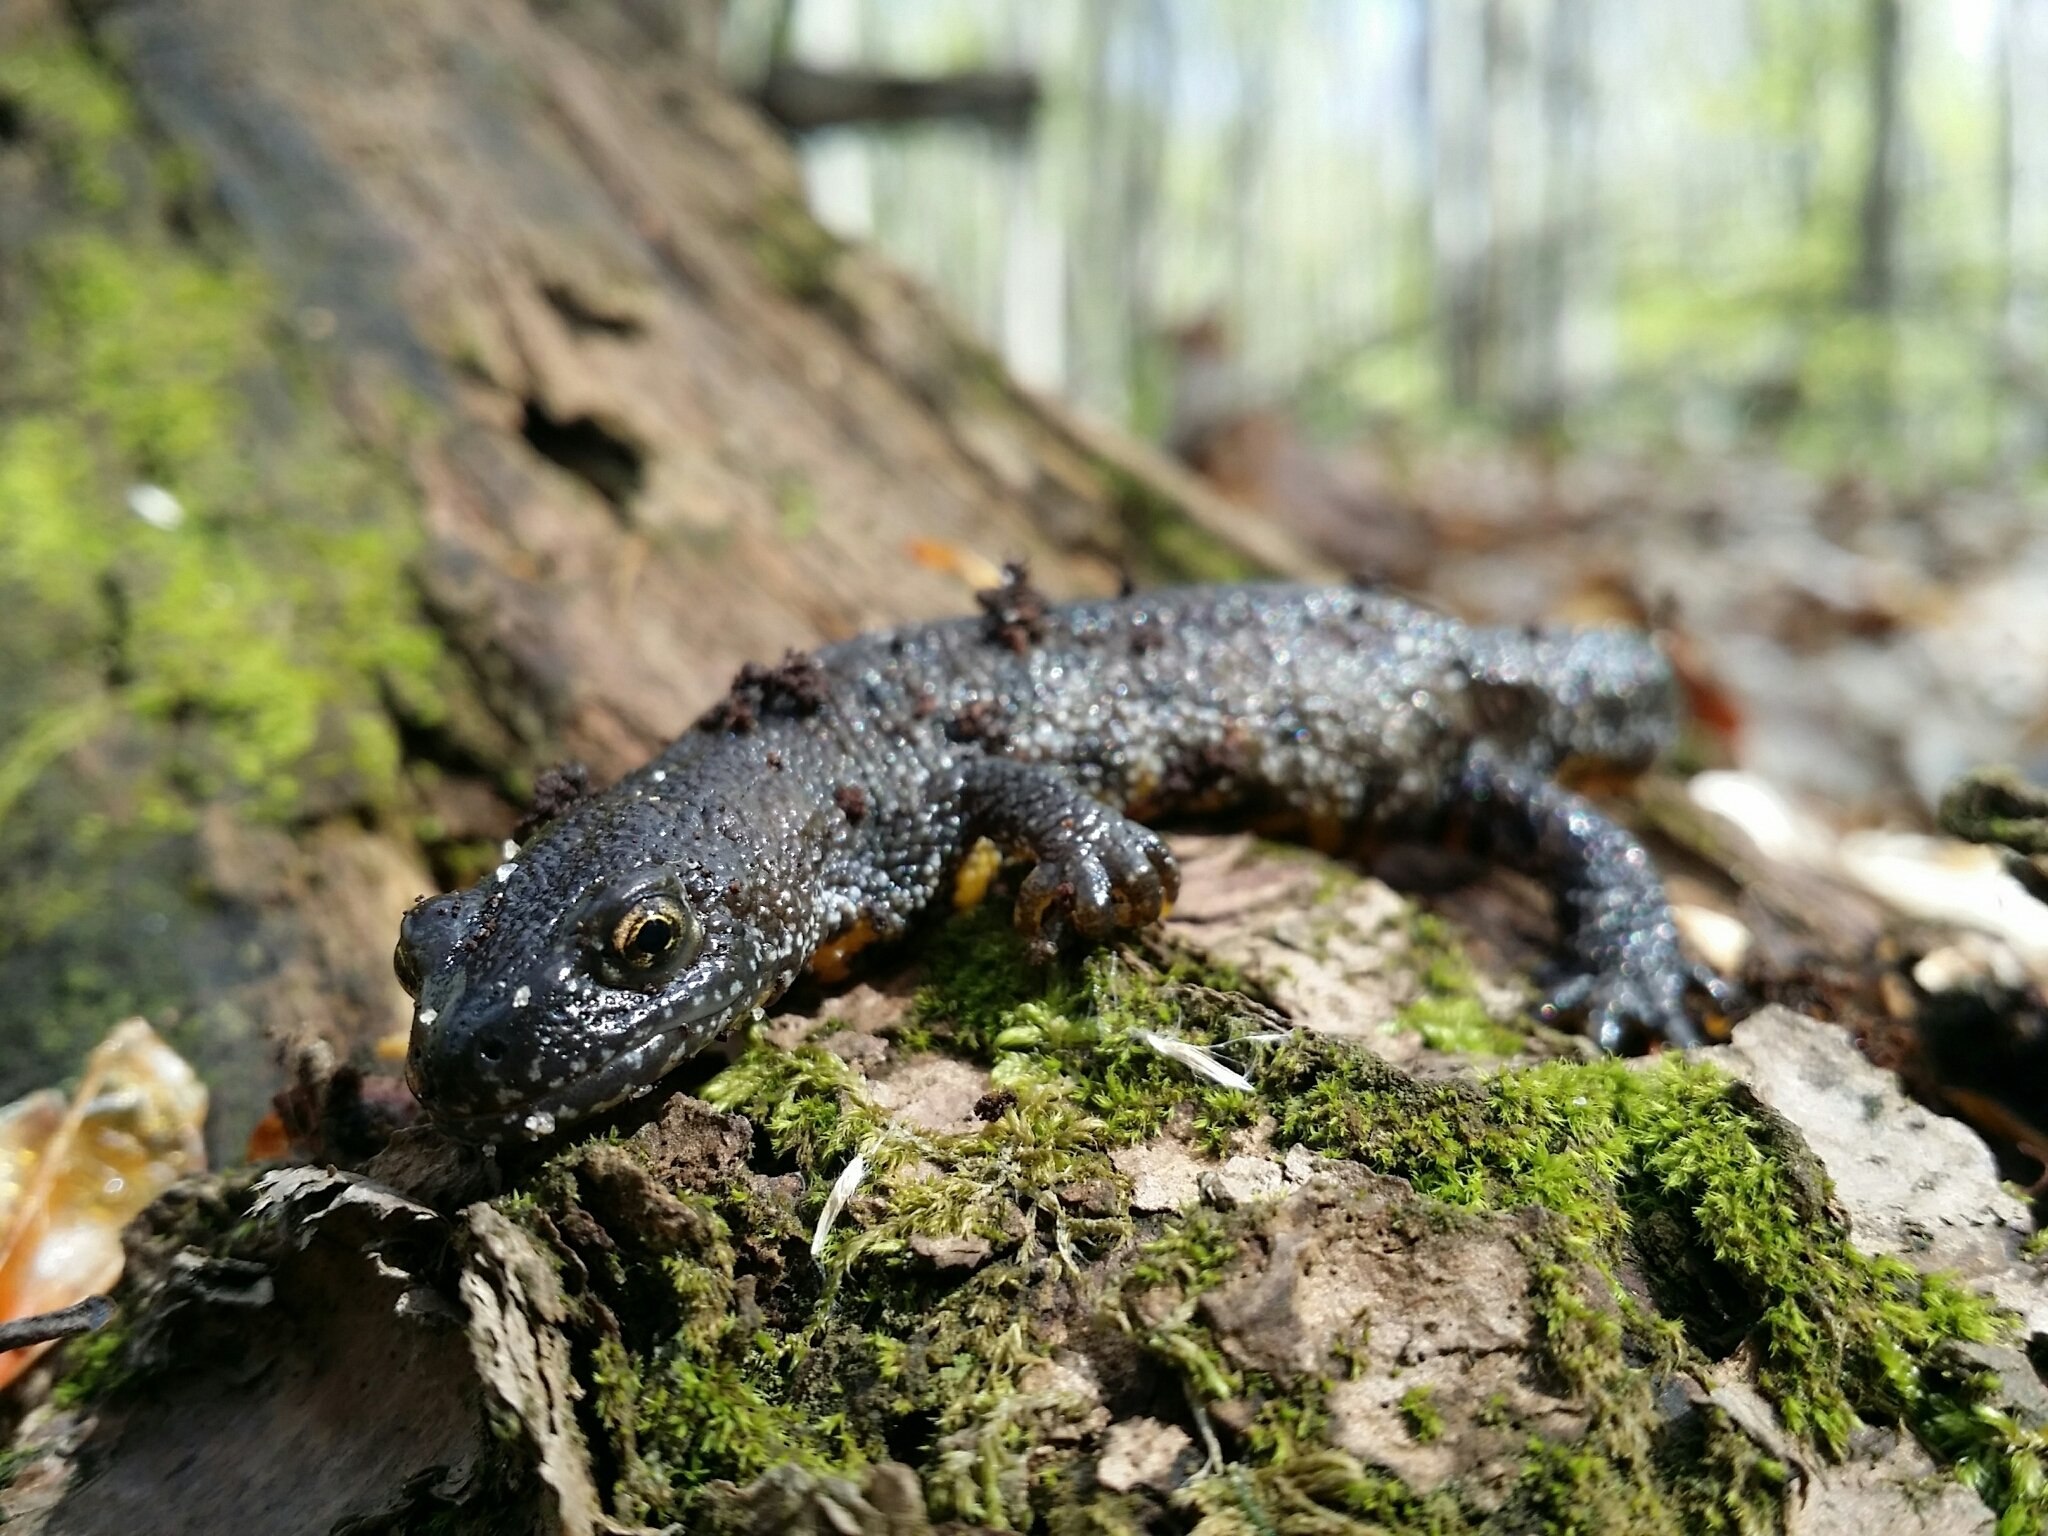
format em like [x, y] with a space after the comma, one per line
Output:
[1816, 227]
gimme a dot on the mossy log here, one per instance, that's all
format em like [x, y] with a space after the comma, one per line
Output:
[399, 398]
[1158, 1240]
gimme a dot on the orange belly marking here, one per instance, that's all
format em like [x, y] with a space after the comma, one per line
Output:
[977, 872]
[832, 961]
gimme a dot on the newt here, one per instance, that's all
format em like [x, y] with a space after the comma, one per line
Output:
[830, 800]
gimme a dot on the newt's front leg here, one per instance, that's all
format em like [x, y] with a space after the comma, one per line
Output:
[1096, 869]
[1631, 977]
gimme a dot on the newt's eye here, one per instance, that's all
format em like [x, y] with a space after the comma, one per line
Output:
[652, 934]
[405, 961]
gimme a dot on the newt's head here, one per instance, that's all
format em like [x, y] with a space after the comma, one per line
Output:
[582, 969]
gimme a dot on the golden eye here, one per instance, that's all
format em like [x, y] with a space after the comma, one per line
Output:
[649, 932]
[405, 961]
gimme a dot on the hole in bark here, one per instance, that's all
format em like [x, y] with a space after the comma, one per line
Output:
[581, 315]
[607, 463]
[1685, 1279]
[12, 128]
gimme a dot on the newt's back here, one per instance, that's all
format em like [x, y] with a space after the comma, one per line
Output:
[1338, 703]
[827, 801]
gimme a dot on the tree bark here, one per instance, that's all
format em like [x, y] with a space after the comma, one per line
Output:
[1877, 218]
[632, 416]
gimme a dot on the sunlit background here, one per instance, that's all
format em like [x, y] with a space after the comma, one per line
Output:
[1730, 314]
[1819, 226]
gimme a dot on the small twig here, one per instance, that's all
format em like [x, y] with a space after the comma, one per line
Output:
[80, 1317]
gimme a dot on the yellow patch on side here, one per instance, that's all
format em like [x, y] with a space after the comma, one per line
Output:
[832, 961]
[977, 871]
[392, 1047]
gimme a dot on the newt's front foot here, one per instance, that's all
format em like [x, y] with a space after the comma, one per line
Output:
[1097, 870]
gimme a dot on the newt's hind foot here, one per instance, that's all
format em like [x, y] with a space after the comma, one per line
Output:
[1641, 1000]
[1631, 978]
[1097, 870]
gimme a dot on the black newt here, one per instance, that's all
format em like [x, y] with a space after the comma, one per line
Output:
[829, 800]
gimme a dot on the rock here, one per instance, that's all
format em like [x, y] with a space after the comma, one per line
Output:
[1242, 1181]
[790, 1501]
[1354, 1285]
[951, 1252]
[694, 1145]
[933, 1093]
[1915, 1184]
[1164, 1175]
[1331, 959]
[1145, 1453]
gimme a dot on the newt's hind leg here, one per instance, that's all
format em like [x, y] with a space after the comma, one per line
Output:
[1632, 978]
[1097, 870]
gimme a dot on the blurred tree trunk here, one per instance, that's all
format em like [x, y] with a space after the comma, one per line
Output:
[1878, 214]
[399, 398]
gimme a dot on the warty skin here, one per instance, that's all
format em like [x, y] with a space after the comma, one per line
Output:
[832, 799]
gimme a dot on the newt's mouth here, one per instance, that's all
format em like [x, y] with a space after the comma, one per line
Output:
[582, 1091]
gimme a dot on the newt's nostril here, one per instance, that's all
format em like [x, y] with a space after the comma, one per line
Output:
[490, 1045]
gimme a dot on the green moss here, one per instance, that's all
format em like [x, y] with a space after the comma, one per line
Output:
[881, 1350]
[1603, 1145]
[1448, 1013]
[240, 659]
[1419, 1413]
[794, 250]
[94, 1366]
[272, 628]
[279, 604]
[1161, 542]
[796, 505]
[1996, 805]
[1322, 1493]
[1086, 1031]
[69, 101]
[1190, 1258]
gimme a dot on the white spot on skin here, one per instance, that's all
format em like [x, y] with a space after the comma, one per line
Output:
[522, 997]
[539, 1123]
[506, 871]
[428, 1015]
[508, 850]
[660, 775]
